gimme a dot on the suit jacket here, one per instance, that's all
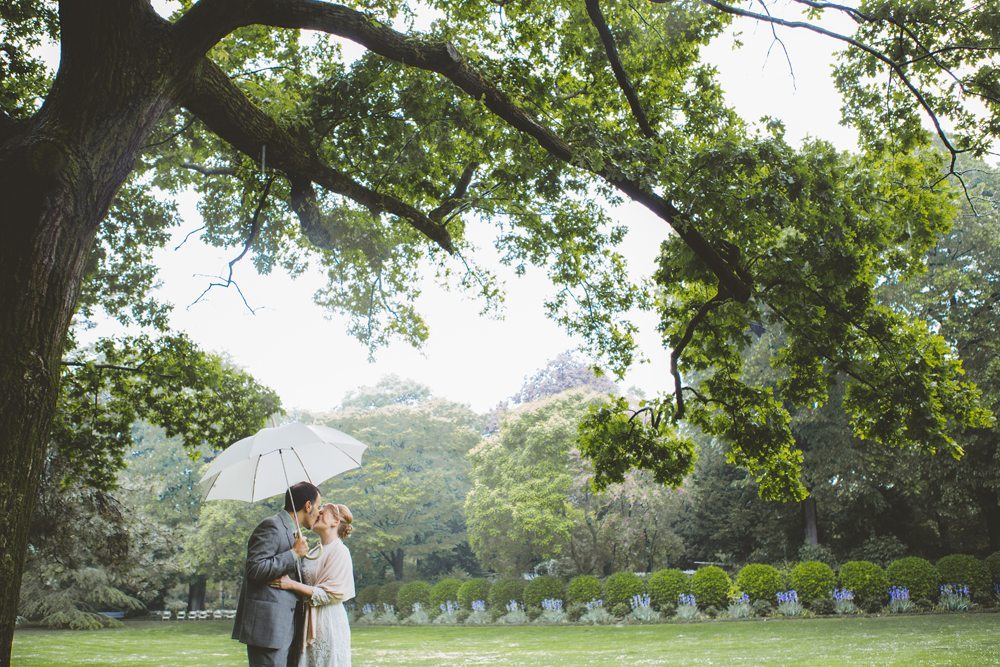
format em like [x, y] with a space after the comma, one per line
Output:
[265, 616]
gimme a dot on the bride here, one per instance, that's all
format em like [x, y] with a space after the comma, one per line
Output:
[328, 583]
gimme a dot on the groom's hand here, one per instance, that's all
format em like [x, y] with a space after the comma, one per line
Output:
[301, 547]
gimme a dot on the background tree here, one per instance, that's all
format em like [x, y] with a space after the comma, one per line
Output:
[407, 497]
[527, 124]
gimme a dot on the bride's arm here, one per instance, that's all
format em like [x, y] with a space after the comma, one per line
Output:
[288, 584]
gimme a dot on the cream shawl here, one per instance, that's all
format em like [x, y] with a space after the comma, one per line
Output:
[335, 575]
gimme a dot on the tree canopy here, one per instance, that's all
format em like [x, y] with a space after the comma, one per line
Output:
[526, 118]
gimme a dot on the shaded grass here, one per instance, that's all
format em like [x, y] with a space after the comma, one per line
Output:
[936, 639]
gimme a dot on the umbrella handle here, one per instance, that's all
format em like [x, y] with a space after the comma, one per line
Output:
[319, 552]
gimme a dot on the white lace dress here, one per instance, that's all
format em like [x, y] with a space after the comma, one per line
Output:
[332, 646]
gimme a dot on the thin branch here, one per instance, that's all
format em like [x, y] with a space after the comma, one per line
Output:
[209, 171]
[188, 236]
[778, 40]
[621, 76]
[170, 136]
[675, 354]
[455, 199]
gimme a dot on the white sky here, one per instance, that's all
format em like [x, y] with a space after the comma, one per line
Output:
[290, 345]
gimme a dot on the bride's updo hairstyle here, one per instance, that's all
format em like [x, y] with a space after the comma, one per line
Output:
[346, 519]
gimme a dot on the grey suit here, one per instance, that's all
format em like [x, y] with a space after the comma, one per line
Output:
[265, 616]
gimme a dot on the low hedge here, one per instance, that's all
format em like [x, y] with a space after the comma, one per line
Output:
[472, 590]
[387, 593]
[503, 591]
[411, 593]
[813, 580]
[993, 563]
[917, 575]
[868, 581]
[583, 589]
[445, 590]
[546, 587]
[760, 582]
[665, 585]
[710, 586]
[620, 587]
[969, 571]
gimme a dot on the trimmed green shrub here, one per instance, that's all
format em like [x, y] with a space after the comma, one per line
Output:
[760, 582]
[444, 590]
[867, 581]
[411, 592]
[368, 595]
[546, 587]
[993, 563]
[813, 580]
[664, 587]
[472, 590]
[503, 591]
[710, 586]
[916, 574]
[967, 570]
[583, 589]
[387, 593]
[620, 587]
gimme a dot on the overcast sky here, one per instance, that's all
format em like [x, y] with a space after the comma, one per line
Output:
[290, 345]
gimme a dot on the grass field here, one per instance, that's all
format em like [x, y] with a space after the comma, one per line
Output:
[938, 639]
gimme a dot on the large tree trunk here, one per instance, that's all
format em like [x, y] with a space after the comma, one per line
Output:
[58, 174]
[196, 594]
[809, 527]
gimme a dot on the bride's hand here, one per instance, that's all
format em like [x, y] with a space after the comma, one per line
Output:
[284, 583]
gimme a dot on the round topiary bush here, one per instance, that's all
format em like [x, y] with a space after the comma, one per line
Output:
[665, 585]
[813, 580]
[620, 587]
[387, 593]
[444, 590]
[410, 593]
[472, 590]
[710, 586]
[993, 563]
[503, 591]
[915, 574]
[367, 595]
[583, 589]
[760, 582]
[546, 587]
[867, 581]
[968, 571]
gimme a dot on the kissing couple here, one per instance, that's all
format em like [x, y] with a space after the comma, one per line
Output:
[291, 611]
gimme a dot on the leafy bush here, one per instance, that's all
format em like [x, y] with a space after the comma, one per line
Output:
[368, 595]
[967, 571]
[665, 585]
[547, 587]
[915, 574]
[711, 586]
[445, 590]
[620, 610]
[411, 592]
[881, 549]
[760, 582]
[503, 591]
[821, 552]
[387, 593]
[867, 581]
[472, 590]
[619, 589]
[583, 589]
[813, 580]
[993, 563]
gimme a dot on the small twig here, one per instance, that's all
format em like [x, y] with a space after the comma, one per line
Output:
[188, 236]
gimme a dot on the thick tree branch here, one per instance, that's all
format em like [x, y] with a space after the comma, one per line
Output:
[210, 20]
[455, 199]
[597, 18]
[224, 108]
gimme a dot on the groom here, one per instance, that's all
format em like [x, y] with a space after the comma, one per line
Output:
[265, 616]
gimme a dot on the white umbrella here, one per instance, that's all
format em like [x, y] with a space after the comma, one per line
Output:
[263, 464]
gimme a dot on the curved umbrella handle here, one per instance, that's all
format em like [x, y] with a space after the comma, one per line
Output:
[319, 552]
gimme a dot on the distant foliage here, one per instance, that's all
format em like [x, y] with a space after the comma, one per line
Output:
[867, 581]
[387, 592]
[917, 575]
[813, 580]
[619, 589]
[547, 587]
[665, 585]
[472, 590]
[760, 582]
[993, 563]
[819, 552]
[711, 586]
[583, 589]
[965, 570]
[882, 549]
[368, 595]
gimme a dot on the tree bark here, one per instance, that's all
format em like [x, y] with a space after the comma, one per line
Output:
[196, 594]
[810, 529]
[59, 172]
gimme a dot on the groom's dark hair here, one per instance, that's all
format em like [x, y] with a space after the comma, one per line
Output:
[297, 496]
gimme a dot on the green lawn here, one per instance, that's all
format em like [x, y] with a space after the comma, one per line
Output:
[938, 639]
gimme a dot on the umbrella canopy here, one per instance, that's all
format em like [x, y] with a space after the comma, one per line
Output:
[262, 465]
